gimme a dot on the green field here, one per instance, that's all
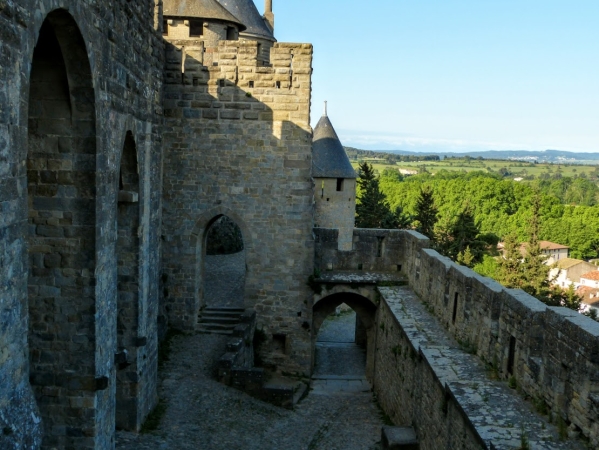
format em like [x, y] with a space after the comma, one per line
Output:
[515, 168]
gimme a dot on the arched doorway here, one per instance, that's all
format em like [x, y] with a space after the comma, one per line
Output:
[127, 251]
[343, 336]
[61, 183]
[224, 264]
[223, 272]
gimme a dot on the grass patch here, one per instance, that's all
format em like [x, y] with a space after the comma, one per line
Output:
[153, 420]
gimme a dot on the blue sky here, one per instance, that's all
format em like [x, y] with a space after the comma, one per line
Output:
[452, 75]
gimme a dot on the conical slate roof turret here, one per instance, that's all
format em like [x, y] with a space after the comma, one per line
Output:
[246, 11]
[329, 159]
[202, 9]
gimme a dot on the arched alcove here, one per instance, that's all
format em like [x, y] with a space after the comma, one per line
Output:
[127, 251]
[224, 264]
[363, 327]
[61, 183]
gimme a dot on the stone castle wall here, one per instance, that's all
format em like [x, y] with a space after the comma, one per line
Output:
[336, 208]
[551, 353]
[238, 143]
[372, 250]
[63, 122]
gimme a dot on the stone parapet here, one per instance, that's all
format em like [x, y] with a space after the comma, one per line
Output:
[426, 379]
[551, 353]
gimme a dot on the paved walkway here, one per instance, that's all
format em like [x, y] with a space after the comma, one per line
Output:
[202, 414]
[224, 280]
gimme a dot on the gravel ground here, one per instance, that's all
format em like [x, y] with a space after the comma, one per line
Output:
[225, 280]
[202, 414]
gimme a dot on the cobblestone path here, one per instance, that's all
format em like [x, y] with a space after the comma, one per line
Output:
[202, 414]
[224, 280]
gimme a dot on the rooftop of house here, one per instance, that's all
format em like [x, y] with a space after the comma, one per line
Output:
[547, 245]
[593, 275]
[589, 295]
[567, 263]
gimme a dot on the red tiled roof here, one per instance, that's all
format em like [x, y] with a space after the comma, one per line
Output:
[585, 292]
[547, 245]
[593, 275]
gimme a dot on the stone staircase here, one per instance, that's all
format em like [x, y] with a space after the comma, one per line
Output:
[219, 320]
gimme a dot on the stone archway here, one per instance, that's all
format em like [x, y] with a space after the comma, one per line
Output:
[365, 309]
[224, 264]
[61, 183]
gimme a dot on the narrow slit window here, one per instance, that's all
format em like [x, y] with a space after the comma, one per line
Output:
[511, 358]
[455, 307]
[165, 27]
[379, 246]
[251, 84]
[339, 184]
[278, 85]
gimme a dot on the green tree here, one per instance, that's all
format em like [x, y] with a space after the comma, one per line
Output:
[566, 298]
[426, 213]
[463, 241]
[372, 208]
[509, 267]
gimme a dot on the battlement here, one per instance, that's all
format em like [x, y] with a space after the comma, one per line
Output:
[231, 77]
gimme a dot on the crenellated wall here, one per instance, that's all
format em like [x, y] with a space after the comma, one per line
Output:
[372, 250]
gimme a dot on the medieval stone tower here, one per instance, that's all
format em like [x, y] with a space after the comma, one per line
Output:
[335, 183]
[237, 142]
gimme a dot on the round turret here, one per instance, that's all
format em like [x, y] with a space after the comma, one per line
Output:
[258, 28]
[335, 183]
[205, 20]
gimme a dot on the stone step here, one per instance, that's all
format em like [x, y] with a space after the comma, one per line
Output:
[224, 309]
[203, 330]
[218, 326]
[219, 320]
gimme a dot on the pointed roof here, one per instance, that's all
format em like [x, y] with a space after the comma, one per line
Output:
[247, 13]
[203, 9]
[329, 159]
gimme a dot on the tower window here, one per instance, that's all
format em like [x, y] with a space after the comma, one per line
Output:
[339, 184]
[231, 35]
[165, 27]
[196, 28]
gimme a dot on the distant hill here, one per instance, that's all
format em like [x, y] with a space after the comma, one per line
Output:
[552, 156]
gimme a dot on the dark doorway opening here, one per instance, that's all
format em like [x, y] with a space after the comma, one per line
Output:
[224, 265]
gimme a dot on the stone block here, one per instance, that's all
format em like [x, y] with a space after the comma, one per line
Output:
[399, 438]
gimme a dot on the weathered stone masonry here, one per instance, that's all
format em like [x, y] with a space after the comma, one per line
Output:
[65, 111]
[238, 143]
[551, 353]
